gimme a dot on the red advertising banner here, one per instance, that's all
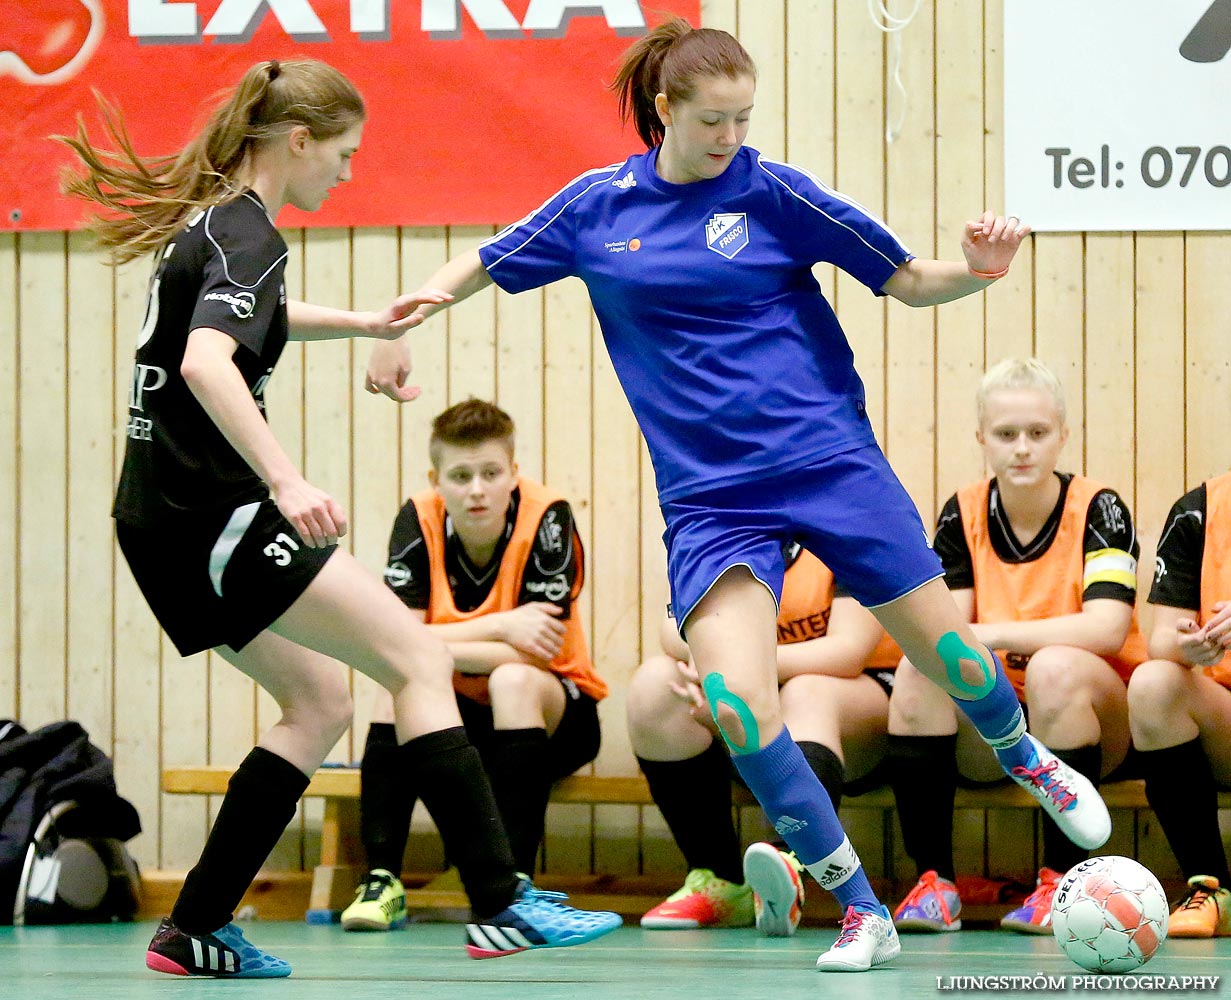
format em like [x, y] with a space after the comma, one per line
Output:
[477, 109]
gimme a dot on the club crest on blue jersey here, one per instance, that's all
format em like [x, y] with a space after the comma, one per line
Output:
[727, 233]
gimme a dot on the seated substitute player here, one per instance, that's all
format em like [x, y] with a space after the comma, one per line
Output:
[1179, 704]
[835, 702]
[1045, 564]
[492, 563]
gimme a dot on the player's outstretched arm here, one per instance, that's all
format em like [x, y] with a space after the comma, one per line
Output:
[389, 367]
[308, 321]
[988, 244]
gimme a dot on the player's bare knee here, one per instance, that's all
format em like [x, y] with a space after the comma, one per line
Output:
[650, 700]
[731, 723]
[1156, 691]
[808, 696]
[326, 706]
[513, 681]
[1051, 682]
[915, 704]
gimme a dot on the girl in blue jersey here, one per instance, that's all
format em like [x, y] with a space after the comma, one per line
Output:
[697, 255]
[234, 550]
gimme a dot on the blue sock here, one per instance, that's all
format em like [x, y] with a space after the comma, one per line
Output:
[998, 718]
[798, 806]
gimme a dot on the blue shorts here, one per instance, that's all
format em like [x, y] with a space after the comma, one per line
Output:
[849, 510]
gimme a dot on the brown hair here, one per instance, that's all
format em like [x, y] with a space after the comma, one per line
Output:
[669, 60]
[468, 424]
[145, 199]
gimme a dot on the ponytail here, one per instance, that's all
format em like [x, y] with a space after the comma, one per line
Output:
[669, 60]
[146, 199]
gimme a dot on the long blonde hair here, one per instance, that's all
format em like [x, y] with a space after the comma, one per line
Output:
[143, 200]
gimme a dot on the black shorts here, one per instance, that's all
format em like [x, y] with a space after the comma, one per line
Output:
[220, 578]
[574, 743]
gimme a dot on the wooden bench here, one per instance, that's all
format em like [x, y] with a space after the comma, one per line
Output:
[340, 864]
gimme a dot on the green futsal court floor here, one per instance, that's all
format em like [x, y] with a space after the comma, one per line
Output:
[106, 962]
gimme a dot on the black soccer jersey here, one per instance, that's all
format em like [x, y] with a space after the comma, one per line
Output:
[1181, 552]
[224, 271]
[1108, 526]
[549, 574]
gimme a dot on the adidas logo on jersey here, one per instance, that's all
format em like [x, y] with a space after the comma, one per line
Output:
[625, 182]
[788, 824]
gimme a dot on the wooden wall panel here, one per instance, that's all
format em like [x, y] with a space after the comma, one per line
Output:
[1207, 304]
[960, 196]
[10, 326]
[1109, 368]
[909, 207]
[1134, 324]
[1159, 379]
[90, 458]
[42, 493]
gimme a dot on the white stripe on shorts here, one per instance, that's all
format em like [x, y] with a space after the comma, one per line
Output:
[224, 548]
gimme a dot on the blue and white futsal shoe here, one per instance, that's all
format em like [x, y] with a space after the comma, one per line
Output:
[536, 919]
[1066, 796]
[866, 939]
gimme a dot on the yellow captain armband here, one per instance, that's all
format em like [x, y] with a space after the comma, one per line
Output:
[1110, 566]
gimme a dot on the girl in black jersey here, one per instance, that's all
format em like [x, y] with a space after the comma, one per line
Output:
[234, 550]
[1179, 702]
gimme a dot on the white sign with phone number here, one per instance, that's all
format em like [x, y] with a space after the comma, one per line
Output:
[1118, 114]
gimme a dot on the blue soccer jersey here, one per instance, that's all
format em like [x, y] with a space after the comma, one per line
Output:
[732, 360]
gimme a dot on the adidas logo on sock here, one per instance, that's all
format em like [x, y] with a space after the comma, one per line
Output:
[788, 824]
[625, 182]
[834, 875]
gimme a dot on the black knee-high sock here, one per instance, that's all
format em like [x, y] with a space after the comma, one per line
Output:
[518, 768]
[1059, 853]
[260, 801]
[449, 776]
[386, 800]
[694, 796]
[923, 773]
[827, 768]
[1180, 789]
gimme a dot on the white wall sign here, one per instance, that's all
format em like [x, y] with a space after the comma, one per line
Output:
[1118, 114]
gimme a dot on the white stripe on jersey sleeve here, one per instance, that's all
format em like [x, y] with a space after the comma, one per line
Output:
[209, 214]
[762, 161]
[607, 171]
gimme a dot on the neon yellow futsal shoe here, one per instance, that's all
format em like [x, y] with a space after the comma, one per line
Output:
[380, 904]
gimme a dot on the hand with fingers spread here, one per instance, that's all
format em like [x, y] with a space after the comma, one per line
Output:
[991, 242]
[535, 629]
[317, 517]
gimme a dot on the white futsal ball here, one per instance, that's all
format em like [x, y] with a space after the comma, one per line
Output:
[1109, 914]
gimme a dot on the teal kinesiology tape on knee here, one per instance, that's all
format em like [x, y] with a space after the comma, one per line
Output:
[952, 652]
[717, 693]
